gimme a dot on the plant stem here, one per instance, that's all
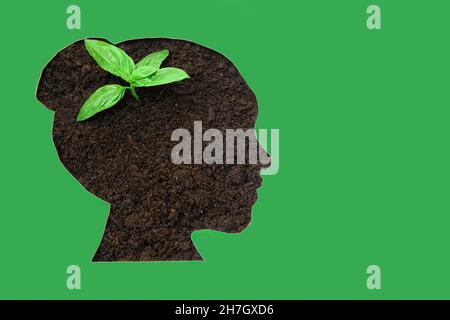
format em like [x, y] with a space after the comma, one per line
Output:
[133, 93]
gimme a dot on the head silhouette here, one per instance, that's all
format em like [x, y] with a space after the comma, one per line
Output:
[123, 154]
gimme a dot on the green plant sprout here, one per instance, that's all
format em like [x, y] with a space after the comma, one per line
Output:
[146, 73]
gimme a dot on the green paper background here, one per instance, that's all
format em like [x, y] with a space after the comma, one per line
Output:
[364, 170]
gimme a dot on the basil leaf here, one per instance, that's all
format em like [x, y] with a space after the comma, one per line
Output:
[111, 58]
[143, 72]
[162, 76]
[103, 98]
[154, 59]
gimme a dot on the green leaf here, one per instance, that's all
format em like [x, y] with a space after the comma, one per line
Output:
[154, 59]
[111, 58]
[103, 98]
[143, 72]
[162, 76]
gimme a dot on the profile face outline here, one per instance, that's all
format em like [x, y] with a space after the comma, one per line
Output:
[147, 189]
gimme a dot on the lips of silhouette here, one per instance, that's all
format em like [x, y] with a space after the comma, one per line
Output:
[259, 181]
[252, 189]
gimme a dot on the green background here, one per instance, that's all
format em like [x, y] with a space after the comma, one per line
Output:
[364, 170]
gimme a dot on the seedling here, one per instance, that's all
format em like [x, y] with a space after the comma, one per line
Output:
[146, 73]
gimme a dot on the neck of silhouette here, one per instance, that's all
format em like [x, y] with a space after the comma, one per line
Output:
[136, 236]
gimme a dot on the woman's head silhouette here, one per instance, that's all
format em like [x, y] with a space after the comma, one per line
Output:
[123, 154]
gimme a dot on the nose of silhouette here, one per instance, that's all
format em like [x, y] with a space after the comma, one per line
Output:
[264, 158]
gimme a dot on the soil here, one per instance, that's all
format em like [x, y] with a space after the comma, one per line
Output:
[123, 154]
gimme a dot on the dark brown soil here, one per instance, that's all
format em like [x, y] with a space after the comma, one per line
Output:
[122, 155]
